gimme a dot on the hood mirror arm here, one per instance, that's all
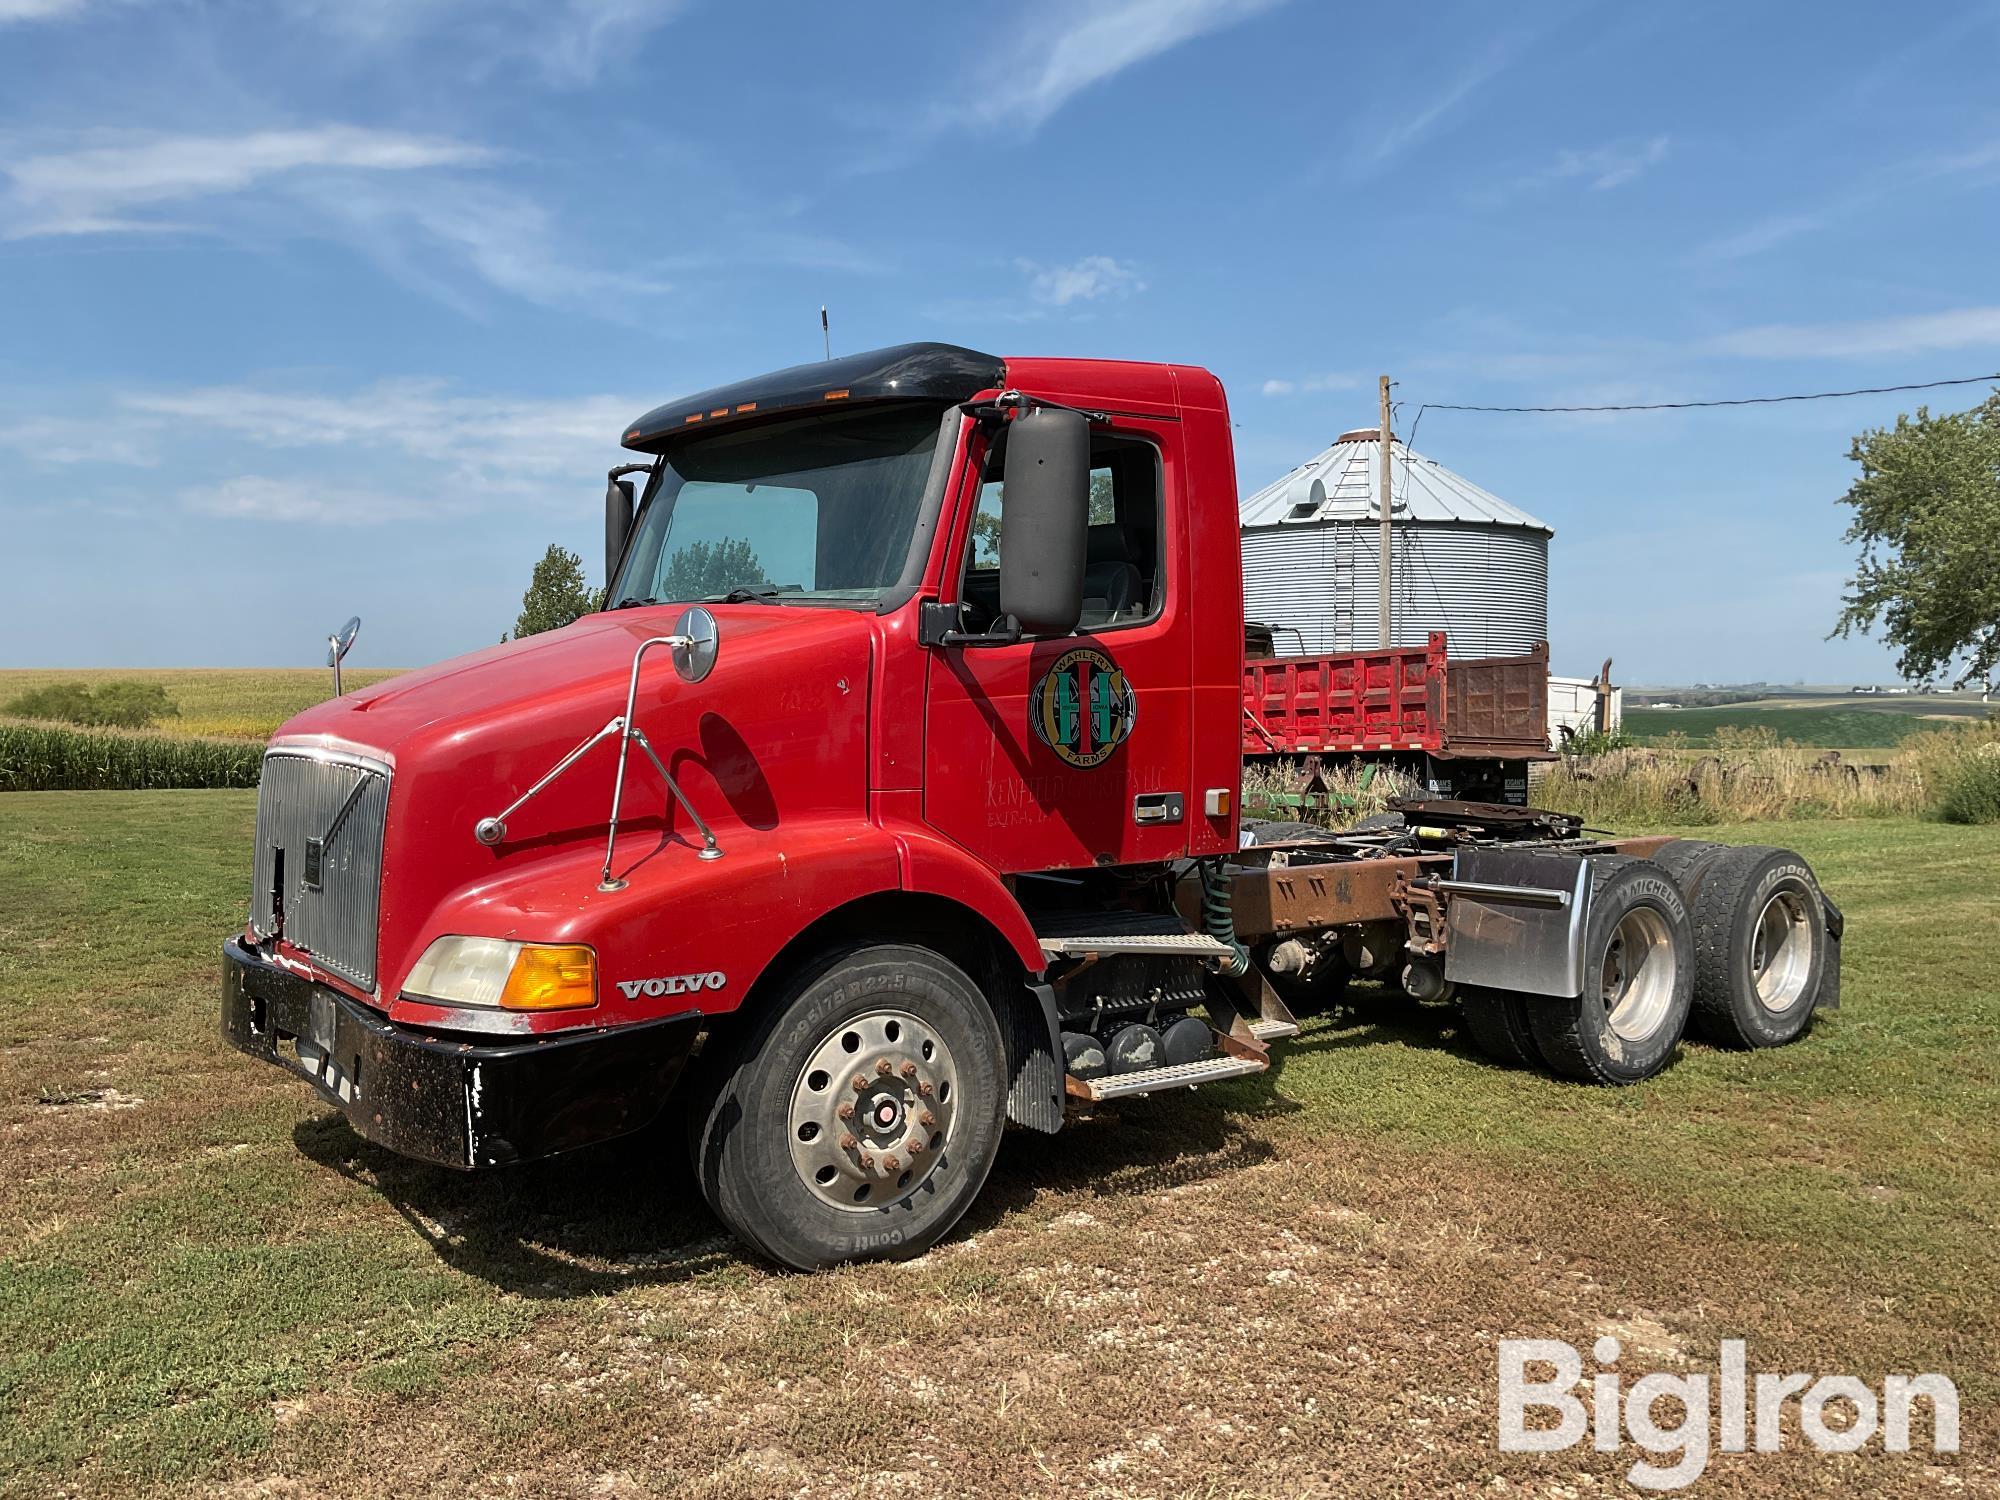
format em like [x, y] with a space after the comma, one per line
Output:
[490, 831]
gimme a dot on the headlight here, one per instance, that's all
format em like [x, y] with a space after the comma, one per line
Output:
[510, 975]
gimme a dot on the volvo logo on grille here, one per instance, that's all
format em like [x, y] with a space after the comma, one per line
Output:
[673, 984]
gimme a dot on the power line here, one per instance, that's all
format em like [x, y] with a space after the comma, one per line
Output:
[1873, 390]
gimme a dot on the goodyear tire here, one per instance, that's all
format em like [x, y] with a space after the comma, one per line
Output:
[1638, 979]
[1761, 948]
[859, 1115]
[1497, 1021]
[1687, 860]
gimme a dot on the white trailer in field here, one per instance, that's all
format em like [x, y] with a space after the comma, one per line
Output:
[1582, 705]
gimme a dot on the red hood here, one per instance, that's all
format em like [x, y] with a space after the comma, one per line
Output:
[777, 731]
[589, 661]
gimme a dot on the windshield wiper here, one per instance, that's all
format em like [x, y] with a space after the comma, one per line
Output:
[633, 602]
[748, 594]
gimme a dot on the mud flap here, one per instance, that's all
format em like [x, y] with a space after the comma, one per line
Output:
[1033, 1034]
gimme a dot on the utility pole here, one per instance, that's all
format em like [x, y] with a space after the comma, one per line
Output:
[1383, 434]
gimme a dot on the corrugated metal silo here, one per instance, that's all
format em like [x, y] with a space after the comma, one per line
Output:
[1462, 560]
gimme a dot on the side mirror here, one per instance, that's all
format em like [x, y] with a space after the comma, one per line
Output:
[618, 496]
[338, 645]
[1044, 520]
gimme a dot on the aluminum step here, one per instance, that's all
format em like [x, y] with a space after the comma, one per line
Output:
[1273, 1031]
[1181, 1075]
[1079, 934]
[1186, 944]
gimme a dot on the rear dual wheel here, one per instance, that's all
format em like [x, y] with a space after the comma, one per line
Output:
[1764, 956]
[1638, 979]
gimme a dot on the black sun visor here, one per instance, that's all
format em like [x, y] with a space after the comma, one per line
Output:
[904, 372]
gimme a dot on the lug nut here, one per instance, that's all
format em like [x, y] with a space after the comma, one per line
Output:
[915, 1146]
[927, 1119]
[867, 1160]
[909, 1070]
[846, 1110]
[924, 1087]
[848, 1143]
[860, 1082]
[883, 1067]
[890, 1164]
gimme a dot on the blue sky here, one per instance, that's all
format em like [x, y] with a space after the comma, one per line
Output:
[319, 307]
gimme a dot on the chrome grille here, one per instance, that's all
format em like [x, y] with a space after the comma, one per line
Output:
[319, 852]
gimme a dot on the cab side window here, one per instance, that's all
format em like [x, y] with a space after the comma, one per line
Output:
[1121, 576]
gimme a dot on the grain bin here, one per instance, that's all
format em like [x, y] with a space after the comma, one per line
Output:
[1463, 560]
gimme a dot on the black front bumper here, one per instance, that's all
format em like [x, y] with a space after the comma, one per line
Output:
[443, 1099]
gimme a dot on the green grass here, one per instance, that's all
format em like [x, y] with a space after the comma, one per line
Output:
[1282, 1285]
[1846, 727]
[244, 703]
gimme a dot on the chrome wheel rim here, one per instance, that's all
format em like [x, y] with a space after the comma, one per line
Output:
[872, 1110]
[1638, 974]
[1781, 952]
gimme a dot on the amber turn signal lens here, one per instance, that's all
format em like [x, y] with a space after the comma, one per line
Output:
[548, 977]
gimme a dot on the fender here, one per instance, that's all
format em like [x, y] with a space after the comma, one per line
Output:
[935, 866]
[680, 917]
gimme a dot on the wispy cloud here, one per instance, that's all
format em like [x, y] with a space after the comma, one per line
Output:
[52, 439]
[1962, 328]
[1766, 234]
[488, 447]
[566, 42]
[1311, 384]
[1060, 52]
[258, 497]
[397, 450]
[1084, 280]
[1975, 163]
[106, 187]
[37, 10]
[1380, 149]
[1612, 165]
[416, 205]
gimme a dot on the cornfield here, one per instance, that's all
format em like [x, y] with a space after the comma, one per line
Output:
[49, 758]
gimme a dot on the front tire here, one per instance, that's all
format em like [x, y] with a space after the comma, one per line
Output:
[1638, 979]
[859, 1116]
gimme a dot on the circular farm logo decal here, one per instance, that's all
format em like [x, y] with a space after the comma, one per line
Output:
[1082, 708]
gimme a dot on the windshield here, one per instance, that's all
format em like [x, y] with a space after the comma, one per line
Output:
[821, 508]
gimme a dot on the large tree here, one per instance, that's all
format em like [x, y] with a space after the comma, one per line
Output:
[1927, 517]
[556, 594]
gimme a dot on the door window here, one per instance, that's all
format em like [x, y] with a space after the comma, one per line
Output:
[1122, 581]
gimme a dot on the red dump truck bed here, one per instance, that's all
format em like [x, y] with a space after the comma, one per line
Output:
[1409, 699]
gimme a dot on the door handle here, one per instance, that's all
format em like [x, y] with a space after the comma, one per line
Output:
[1157, 807]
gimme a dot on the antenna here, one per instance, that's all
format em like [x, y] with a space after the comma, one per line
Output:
[825, 332]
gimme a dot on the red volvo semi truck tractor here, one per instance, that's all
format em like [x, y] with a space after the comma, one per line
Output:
[894, 799]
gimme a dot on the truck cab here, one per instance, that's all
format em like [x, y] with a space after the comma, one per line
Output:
[892, 798]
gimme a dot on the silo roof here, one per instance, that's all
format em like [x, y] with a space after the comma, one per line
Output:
[1341, 483]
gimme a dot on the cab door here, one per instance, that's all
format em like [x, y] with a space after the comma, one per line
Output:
[1063, 754]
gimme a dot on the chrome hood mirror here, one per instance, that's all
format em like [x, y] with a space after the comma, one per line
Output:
[697, 640]
[338, 645]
